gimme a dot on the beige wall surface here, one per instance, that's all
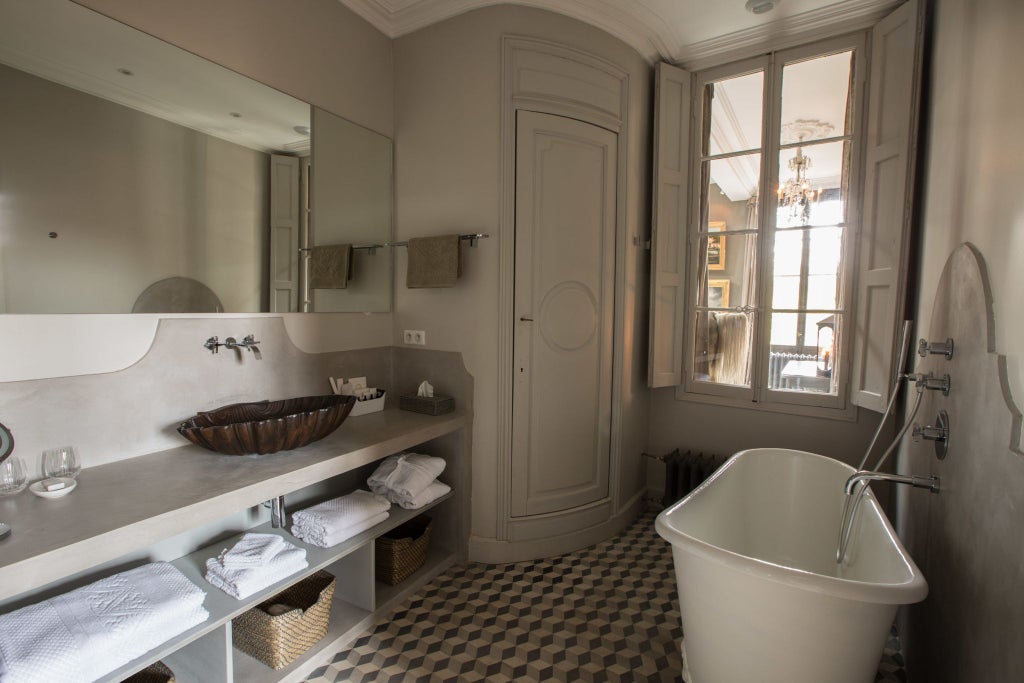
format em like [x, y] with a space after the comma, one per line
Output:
[447, 164]
[973, 179]
[316, 50]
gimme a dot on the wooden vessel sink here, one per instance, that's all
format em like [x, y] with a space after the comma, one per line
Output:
[267, 426]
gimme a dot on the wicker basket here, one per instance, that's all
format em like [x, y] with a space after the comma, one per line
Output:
[280, 630]
[434, 405]
[403, 550]
[154, 673]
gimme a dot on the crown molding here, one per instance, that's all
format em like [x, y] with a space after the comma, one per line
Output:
[654, 36]
[816, 24]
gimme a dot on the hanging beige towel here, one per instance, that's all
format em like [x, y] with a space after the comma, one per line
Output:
[434, 262]
[330, 266]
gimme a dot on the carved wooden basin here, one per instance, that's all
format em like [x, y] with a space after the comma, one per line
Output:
[267, 426]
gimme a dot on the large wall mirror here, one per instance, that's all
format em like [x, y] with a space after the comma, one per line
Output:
[136, 176]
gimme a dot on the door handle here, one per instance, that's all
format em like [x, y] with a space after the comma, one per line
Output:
[525, 320]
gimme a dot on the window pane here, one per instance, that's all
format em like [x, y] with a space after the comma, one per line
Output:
[821, 291]
[786, 291]
[815, 95]
[789, 249]
[736, 114]
[809, 367]
[826, 250]
[722, 347]
[727, 271]
[812, 181]
[732, 193]
[784, 327]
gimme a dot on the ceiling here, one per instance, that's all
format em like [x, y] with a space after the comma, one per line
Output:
[689, 32]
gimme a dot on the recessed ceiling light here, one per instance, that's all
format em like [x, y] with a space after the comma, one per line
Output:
[235, 114]
[760, 6]
[125, 72]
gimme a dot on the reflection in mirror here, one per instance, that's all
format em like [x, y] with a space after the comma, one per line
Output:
[128, 162]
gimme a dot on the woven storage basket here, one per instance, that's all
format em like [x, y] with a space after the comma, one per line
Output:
[403, 550]
[279, 639]
[154, 673]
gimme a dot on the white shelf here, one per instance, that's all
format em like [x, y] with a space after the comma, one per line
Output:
[129, 505]
[223, 608]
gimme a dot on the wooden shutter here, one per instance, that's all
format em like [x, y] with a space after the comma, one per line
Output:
[284, 233]
[890, 150]
[668, 232]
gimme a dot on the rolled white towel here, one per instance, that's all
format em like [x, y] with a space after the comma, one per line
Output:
[87, 633]
[427, 496]
[340, 513]
[407, 475]
[318, 537]
[242, 582]
[252, 550]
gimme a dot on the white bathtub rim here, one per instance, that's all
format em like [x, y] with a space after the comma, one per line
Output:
[915, 589]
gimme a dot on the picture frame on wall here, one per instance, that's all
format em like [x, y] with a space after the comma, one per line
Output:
[718, 293]
[716, 245]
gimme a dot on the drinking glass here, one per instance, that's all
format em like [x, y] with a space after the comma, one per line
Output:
[61, 462]
[13, 476]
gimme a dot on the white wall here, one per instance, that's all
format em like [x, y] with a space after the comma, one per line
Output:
[447, 153]
[316, 50]
[974, 173]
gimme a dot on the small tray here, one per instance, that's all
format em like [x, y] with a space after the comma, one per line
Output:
[435, 405]
[374, 405]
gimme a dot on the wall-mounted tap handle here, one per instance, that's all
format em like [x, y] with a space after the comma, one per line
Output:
[939, 433]
[212, 344]
[930, 381]
[945, 348]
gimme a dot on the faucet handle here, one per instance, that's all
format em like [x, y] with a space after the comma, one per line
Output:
[939, 433]
[212, 344]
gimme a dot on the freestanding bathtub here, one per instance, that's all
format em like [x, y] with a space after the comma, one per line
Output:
[761, 596]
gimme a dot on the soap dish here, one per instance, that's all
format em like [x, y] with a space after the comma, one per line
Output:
[37, 488]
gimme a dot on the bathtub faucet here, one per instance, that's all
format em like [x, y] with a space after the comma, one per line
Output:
[930, 483]
[853, 498]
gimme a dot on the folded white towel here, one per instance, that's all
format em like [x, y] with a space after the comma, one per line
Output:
[318, 537]
[340, 513]
[87, 633]
[242, 582]
[252, 550]
[407, 475]
[427, 496]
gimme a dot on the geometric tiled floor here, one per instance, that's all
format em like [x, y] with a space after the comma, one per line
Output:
[605, 613]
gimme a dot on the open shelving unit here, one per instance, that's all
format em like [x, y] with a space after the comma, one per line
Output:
[204, 653]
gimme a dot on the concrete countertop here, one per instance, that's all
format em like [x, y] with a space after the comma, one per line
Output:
[128, 505]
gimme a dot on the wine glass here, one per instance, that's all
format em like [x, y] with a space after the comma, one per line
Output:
[13, 476]
[61, 462]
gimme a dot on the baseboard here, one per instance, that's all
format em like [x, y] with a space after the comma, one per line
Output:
[492, 551]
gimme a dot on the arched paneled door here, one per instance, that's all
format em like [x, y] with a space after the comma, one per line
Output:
[564, 308]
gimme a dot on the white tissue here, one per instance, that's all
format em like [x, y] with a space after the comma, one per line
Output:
[426, 390]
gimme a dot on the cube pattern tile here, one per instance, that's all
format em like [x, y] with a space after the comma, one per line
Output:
[605, 613]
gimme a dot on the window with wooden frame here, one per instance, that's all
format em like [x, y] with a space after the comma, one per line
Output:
[773, 276]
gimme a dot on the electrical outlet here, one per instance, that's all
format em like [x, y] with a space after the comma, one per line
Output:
[416, 337]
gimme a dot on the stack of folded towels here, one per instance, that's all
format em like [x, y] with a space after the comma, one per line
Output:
[409, 480]
[252, 564]
[87, 633]
[333, 521]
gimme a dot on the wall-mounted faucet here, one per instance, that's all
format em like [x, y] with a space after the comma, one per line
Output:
[930, 381]
[939, 433]
[248, 342]
[945, 348]
[930, 482]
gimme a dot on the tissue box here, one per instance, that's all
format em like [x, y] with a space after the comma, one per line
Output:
[374, 405]
[435, 405]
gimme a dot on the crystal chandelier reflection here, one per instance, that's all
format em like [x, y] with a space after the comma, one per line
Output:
[796, 195]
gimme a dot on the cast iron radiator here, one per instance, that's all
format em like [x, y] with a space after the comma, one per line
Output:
[685, 471]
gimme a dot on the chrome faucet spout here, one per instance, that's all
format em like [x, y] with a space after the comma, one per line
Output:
[931, 482]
